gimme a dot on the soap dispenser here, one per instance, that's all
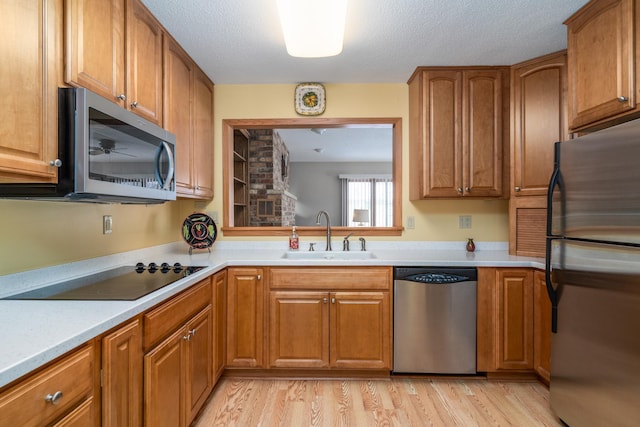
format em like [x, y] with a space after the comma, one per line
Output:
[293, 240]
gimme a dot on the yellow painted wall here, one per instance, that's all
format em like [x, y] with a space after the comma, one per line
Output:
[435, 220]
[37, 234]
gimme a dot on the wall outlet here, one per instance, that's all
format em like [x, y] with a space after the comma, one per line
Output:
[411, 222]
[464, 221]
[107, 224]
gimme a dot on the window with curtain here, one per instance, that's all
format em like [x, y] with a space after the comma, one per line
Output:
[367, 200]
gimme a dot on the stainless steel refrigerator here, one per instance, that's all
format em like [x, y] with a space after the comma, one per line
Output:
[593, 278]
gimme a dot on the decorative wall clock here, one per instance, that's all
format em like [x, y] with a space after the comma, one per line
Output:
[310, 99]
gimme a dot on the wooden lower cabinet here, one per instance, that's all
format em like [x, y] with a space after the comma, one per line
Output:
[245, 311]
[505, 319]
[62, 394]
[541, 327]
[334, 328]
[122, 376]
[178, 374]
[219, 304]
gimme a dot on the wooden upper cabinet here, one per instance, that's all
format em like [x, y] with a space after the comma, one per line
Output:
[178, 93]
[602, 49]
[456, 132]
[539, 117]
[203, 135]
[144, 63]
[31, 50]
[114, 48]
[188, 100]
[95, 46]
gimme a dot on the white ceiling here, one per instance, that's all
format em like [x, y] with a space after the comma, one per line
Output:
[361, 144]
[240, 41]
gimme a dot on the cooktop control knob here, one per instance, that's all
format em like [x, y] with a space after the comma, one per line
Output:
[153, 267]
[177, 267]
[140, 267]
[165, 267]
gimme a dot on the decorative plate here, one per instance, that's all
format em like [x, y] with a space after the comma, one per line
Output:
[310, 99]
[199, 231]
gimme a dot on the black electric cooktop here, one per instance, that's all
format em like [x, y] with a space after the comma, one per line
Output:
[126, 283]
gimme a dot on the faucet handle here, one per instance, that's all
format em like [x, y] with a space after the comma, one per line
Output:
[311, 246]
[345, 242]
[362, 244]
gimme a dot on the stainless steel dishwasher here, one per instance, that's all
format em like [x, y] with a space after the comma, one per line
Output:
[434, 320]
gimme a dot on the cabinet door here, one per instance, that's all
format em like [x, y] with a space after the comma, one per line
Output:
[601, 49]
[163, 383]
[219, 323]
[245, 310]
[360, 330]
[31, 37]
[203, 135]
[94, 46]
[541, 327]
[199, 363]
[144, 63]
[482, 133]
[178, 95]
[441, 138]
[515, 318]
[122, 376]
[539, 120]
[82, 416]
[299, 329]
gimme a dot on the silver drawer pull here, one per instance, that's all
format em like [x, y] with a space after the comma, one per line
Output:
[187, 337]
[333, 300]
[622, 99]
[54, 398]
[259, 277]
[192, 332]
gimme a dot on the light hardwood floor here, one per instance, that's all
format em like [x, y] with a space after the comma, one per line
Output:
[396, 402]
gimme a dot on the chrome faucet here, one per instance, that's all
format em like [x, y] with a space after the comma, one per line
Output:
[328, 248]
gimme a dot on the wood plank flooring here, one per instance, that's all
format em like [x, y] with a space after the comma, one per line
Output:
[395, 402]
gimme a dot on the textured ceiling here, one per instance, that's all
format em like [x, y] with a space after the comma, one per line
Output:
[240, 41]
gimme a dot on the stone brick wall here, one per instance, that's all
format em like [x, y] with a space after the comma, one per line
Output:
[270, 204]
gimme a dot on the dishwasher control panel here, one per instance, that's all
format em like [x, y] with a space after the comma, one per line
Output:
[436, 278]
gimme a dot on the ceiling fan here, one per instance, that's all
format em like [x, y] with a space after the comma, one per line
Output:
[107, 146]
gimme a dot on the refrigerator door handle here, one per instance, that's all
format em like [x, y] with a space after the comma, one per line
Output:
[551, 291]
[555, 181]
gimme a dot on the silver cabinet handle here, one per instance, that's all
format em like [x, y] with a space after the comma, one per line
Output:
[54, 398]
[622, 99]
[134, 104]
[57, 163]
[333, 300]
[121, 97]
[325, 300]
[459, 189]
[467, 189]
[192, 332]
[259, 277]
[187, 337]
[516, 189]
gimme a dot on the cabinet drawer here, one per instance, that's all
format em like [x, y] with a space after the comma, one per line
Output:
[25, 404]
[352, 278]
[160, 322]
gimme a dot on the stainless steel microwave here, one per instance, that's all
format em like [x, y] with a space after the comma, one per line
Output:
[105, 154]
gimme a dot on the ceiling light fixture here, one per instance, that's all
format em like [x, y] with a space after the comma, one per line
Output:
[313, 28]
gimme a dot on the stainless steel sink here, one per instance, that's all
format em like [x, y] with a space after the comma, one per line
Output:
[329, 255]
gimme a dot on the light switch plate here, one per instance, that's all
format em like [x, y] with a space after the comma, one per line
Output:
[107, 224]
[464, 221]
[411, 222]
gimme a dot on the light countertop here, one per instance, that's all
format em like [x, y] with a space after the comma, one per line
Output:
[36, 332]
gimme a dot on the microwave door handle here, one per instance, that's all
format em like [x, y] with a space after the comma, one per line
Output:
[166, 182]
